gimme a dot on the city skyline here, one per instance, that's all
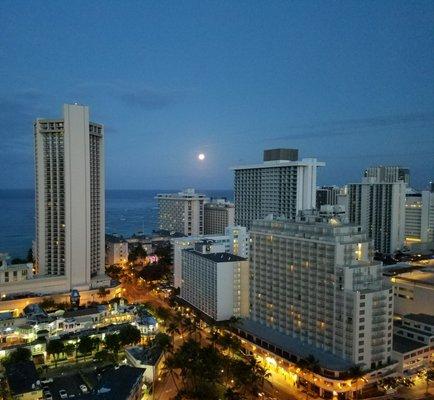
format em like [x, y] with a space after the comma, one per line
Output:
[225, 80]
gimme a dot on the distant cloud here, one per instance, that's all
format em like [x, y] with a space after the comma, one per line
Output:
[141, 97]
[150, 99]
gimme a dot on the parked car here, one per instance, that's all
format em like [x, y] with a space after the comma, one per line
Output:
[84, 389]
[63, 394]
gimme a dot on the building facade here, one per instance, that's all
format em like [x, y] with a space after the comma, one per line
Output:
[379, 207]
[13, 272]
[282, 185]
[314, 284]
[70, 199]
[218, 214]
[216, 283]
[327, 195]
[116, 252]
[235, 241]
[413, 343]
[388, 174]
[181, 212]
[419, 217]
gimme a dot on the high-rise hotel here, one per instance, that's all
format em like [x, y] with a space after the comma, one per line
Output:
[282, 185]
[315, 289]
[69, 163]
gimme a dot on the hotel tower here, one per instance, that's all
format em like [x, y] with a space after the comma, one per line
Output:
[69, 165]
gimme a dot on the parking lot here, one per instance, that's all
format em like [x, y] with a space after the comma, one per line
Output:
[70, 383]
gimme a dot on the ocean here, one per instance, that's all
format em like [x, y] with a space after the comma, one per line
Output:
[127, 212]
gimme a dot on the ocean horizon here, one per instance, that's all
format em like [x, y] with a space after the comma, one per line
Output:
[128, 212]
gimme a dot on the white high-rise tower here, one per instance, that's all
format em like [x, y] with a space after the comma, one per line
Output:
[281, 185]
[70, 205]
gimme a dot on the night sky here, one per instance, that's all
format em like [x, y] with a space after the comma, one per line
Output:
[350, 83]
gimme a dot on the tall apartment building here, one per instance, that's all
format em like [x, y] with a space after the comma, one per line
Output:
[218, 214]
[215, 282]
[379, 207]
[281, 185]
[327, 195]
[419, 217]
[388, 174]
[315, 288]
[69, 163]
[235, 241]
[182, 212]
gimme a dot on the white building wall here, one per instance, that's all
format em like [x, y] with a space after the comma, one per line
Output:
[69, 164]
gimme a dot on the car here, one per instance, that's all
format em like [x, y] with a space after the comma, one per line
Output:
[47, 395]
[47, 380]
[63, 394]
[84, 389]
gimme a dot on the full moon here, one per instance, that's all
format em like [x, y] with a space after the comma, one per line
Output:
[201, 156]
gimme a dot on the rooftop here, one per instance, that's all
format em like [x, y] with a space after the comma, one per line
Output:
[146, 355]
[419, 275]
[423, 318]
[404, 345]
[21, 376]
[217, 257]
[82, 312]
[295, 346]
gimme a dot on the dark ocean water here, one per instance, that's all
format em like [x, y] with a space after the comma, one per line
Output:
[127, 212]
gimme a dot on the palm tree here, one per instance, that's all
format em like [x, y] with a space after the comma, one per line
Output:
[356, 374]
[173, 329]
[170, 366]
[55, 347]
[428, 375]
[310, 365]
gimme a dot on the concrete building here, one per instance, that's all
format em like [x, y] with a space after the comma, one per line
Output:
[281, 185]
[218, 214]
[69, 163]
[413, 342]
[13, 272]
[379, 207]
[235, 241]
[315, 289]
[181, 212]
[388, 174]
[116, 251]
[413, 290]
[327, 195]
[214, 282]
[419, 217]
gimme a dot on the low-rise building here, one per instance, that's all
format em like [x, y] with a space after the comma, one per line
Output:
[116, 250]
[413, 290]
[150, 359]
[13, 272]
[413, 342]
[22, 380]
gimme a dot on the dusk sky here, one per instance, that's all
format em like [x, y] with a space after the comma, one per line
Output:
[350, 83]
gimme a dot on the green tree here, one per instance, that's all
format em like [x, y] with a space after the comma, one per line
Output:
[113, 343]
[428, 376]
[85, 346]
[173, 329]
[69, 349]
[55, 347]
[103, 356]
[129, 335]
[18, 355]
[136, 253]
